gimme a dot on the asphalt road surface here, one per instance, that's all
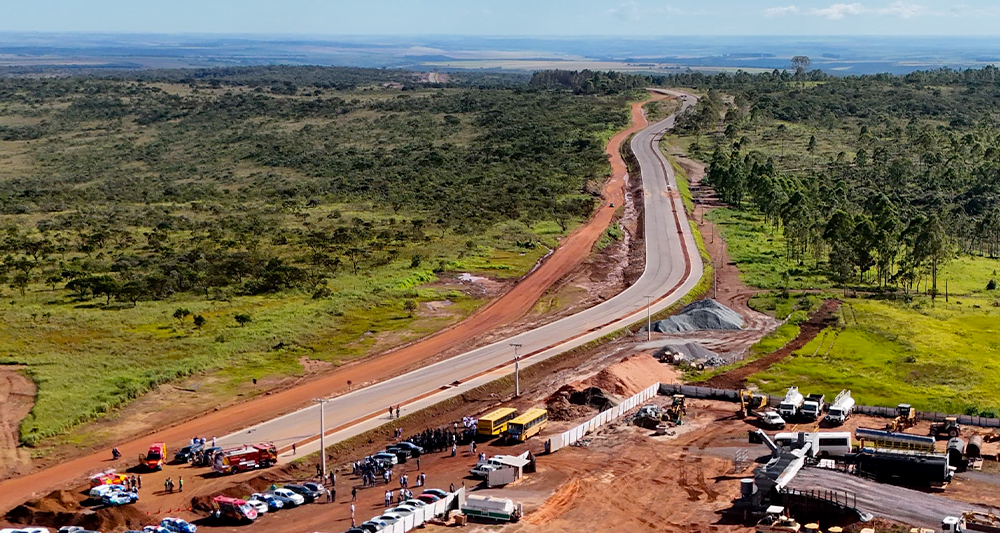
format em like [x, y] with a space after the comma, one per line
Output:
[673, 268]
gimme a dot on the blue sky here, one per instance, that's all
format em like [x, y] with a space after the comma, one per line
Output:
[508, 17]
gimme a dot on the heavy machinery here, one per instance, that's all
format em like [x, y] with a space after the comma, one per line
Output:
[750, 403]
[906, 417]
[947, 429]
[971, 521]
[812, 407]
[676, 412]
[776, 520]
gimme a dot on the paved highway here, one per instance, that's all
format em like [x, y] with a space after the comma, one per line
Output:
[673, 268]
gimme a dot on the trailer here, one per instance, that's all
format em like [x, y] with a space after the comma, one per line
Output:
[245, 458]
[812, 407]
[789, 406]
[903, 467]
[841, 408]
[881, 438]
[492, 508]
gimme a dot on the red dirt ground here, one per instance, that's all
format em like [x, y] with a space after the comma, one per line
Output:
[518, 301]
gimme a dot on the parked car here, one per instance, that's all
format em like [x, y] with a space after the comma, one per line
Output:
[178, 526]
[388, 518]
[259, 505]
[24, 530]
[428, 498]
[310, 495]
[386, 457]
[437, 492]
[771, 419]
[273, 503]
[483, 468]
[97, 493]
[402, 510]
[372, 527]
[288, 496]
[122, 497]
[414, 503]
[185, 454]
[415, 451]
[155, 529]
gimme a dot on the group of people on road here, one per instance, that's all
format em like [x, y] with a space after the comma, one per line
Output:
[390, 412]
[133, 483]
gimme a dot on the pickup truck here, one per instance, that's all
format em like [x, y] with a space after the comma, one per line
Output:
[771, 419]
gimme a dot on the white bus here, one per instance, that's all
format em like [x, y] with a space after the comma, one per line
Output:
[825, 443]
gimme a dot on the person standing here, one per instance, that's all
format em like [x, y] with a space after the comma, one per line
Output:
[293, 449]
[352, 516]
[390, 412]
[451, 487]
[354, 498]
[333, 477]
[166, 485]
[180, 483]
[138, 480]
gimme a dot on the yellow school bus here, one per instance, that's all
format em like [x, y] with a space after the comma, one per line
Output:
[527, 425]
[495, 423]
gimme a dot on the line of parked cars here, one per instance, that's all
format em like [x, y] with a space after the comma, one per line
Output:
[286, 497]
[395, 514]
[397, 453]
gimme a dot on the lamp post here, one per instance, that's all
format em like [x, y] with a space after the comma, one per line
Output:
[322, 434]
[649, 318]
[517, 369]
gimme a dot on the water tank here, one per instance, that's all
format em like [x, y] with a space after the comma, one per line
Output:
[747, 488]
[956, 449]
[975, 448]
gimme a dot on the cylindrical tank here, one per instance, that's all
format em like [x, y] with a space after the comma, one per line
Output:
[747, 488]
[882, 437]
[956, 450]
[975, 448]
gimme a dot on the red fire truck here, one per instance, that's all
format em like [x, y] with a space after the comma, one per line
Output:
[245, 458]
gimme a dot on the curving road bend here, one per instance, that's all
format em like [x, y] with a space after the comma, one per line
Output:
[673, 268]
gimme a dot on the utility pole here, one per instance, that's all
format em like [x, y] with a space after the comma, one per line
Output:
[517, 369]
[649, 323]
[322, 435]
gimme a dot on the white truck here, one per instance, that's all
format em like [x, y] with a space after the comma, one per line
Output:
[812, 407]
[492, 508]
[789, 407]
[841, 408]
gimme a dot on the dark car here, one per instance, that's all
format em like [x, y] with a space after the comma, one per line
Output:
[317, 487]
[187, 453]
[415, 451]
[310, 495]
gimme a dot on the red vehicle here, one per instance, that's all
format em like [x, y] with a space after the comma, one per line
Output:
[245, 458]
[235, 508]
[156, 455]
[107, 477]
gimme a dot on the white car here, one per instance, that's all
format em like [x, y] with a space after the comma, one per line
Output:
[25, 530]
[483, 468]
[414, 503]
[771, 419]
[402, 510]
[387, 518]
[99, 491]
[259, 505]
[291, 495]
[386, 457]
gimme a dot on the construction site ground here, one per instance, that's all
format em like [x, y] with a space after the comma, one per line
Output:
[623, 479]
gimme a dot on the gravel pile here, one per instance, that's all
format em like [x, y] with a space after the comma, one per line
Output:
[700, 315]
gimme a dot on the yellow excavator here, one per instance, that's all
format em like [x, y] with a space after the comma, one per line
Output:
[750, 402]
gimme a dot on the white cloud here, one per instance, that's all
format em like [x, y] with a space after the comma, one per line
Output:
[628, 11]
[779, 11]
[901, 9]
[838, 11]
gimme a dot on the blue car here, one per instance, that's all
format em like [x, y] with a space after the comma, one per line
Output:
[121, 497]
[178, 526]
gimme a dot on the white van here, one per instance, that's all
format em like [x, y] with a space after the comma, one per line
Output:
[825, 443]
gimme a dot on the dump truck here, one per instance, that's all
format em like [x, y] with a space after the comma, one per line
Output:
[949, 428]
[880, 438]
[245, 458]
[234, 508]
[789, 406]
[812, 407]
[841, 408]
[155, 457]
[492, 508]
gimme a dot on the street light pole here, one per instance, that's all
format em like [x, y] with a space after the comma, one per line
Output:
[322, 436]
[649, 318]
[517, 369]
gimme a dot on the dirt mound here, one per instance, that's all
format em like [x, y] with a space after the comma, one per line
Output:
[63, 508]
[632, 375]
[700, 315]
[560, 408]
[594, 397]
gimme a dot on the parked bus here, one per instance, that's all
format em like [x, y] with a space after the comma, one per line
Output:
[495, 423]
[527, 425]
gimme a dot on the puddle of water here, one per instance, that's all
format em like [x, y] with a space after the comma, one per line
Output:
[465, 276]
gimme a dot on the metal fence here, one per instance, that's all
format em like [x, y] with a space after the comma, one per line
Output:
[709, 393]
[569, 437]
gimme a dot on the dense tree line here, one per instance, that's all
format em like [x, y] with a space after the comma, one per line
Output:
[919, 181]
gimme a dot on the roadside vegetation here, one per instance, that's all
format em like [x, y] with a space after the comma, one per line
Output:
[234, 222]
[878, 189]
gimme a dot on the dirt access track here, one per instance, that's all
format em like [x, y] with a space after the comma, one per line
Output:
[518, 301]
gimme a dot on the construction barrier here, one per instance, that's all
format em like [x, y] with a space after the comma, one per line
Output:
[709, 393]
[569, 437]
[422, 514]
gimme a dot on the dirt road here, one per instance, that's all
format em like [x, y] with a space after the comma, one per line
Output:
[17, 395]
[504, 310]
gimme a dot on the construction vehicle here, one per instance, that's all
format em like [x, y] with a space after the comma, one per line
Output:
[971, 521]
[790, 405]
[245, 458]
[947, 429]
[841, 408]
[812, 407]
[776, 520]
[750, 403]
[676, 412]
[906, 417]
[155, 457]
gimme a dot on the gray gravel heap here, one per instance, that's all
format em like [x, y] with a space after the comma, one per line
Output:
[700, 315]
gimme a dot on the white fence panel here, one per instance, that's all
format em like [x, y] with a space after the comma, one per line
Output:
[572, 435]
[408, 522]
